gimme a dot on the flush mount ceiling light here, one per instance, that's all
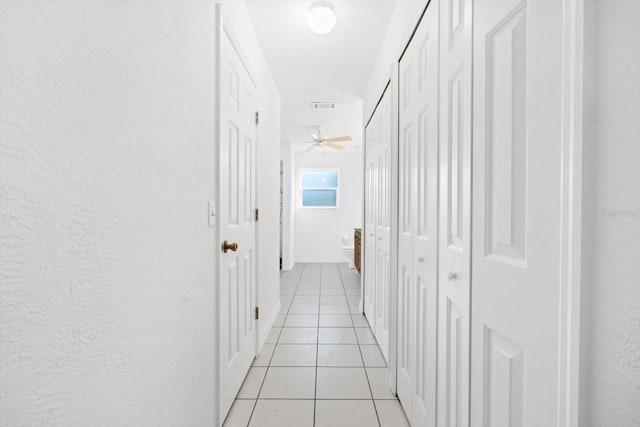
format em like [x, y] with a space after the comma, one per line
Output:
[322, 17]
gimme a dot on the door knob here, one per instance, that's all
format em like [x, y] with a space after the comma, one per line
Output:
[420, 259]
[226, 246]
[451, 276]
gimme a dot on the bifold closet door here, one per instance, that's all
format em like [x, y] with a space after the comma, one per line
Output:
[378, 222]
[454, 252]
[371, 193]
[418, 221]
[517, 291]
[383, 224]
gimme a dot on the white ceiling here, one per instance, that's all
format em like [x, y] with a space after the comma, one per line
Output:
[311, 67]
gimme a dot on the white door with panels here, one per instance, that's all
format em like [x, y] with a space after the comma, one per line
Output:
[378, 222]
[454, 273]
[383, 225]
[517, 328]
[418, 214]
[371, 194]
[237, 228]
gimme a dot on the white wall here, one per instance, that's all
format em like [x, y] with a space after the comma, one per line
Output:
[319, 232]
[108, 289]
[268, 155]
[405, 17]
[288, 214]
[611, 374]
[107, 153]
[269, 205]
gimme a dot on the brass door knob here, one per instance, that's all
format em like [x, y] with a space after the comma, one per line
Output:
[226, 246]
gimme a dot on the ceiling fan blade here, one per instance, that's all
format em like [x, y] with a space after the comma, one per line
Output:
[340, 139]
[336, 146]
[311, 147]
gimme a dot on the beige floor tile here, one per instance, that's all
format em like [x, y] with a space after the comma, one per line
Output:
[264, 357]
[299, 336]
[239, 414]
[294, 355]
[345, 413]
[252, 383]
[289, 383]
[283, 413]
[378, 383]
[335, 321]
[391, 414]
[301, 320]
[336, 336]
[342, 383]
[339, 355]
[372, 356]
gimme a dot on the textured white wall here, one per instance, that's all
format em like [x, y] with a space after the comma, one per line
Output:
[319, 232]
[107, 161]
[612, 221]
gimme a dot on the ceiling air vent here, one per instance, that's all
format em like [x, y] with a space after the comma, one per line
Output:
[323, 105]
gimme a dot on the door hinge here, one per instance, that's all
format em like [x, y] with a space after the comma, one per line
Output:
[257, 214]
[257, 313]
[257, 117]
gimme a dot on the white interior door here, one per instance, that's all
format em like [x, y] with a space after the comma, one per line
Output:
[517, 213]
[418, 123]
[455, 213]
[237, 194]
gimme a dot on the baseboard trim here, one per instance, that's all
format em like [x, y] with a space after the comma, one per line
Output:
[266, 325]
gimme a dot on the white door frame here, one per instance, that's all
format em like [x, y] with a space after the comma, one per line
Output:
[575, 27]
[224, 29]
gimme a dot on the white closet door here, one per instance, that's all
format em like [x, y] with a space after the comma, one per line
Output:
[417, 352]
[377, 222]
[383, 224]
[455, 213]
[369, 241]
[406, 236]
[517, 213]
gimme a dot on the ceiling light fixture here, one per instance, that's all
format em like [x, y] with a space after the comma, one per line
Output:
[322, 17]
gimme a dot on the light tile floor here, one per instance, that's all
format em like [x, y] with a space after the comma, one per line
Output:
[321, 365]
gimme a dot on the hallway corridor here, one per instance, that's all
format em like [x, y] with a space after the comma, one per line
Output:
[320, 365]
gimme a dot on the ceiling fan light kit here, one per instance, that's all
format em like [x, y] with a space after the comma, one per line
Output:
[322, 17]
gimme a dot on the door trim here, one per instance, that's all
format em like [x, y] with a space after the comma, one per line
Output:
[573, 80]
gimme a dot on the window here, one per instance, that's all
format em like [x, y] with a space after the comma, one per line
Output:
[319, 187]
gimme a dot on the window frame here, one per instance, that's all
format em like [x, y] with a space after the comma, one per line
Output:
[302, 188]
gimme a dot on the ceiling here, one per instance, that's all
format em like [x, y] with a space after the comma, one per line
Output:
[311, 67]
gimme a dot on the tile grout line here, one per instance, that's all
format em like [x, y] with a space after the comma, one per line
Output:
[315, 385]
[364, 366]
[272, 354]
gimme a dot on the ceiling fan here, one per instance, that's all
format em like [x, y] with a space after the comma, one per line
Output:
[321, 140]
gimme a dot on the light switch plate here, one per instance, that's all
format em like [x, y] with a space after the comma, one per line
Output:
[212, 213]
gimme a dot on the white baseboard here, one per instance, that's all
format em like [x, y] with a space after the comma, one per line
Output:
[266, 324]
